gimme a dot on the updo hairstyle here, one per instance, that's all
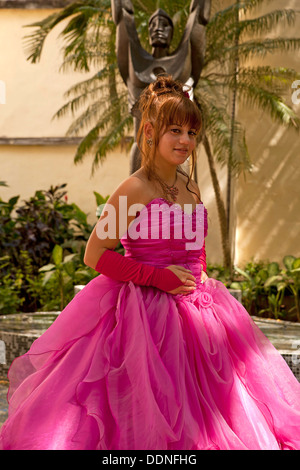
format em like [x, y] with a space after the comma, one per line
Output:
[164, 103]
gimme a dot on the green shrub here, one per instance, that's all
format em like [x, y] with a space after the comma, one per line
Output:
[42, 245]
[28, 234]
[269, 290]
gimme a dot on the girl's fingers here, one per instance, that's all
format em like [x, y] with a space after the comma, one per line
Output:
[189, 288]
[184, 269]
[190, 282]
[187, 271]
[191, 278]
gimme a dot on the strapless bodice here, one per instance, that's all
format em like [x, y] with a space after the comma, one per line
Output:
[163, 234]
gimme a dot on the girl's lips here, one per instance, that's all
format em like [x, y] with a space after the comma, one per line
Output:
[181, 150]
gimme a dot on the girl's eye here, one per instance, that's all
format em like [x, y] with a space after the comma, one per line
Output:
[177, 131]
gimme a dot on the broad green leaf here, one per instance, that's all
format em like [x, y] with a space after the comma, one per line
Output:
[69, 268]
[48, 276]
[296, 264]
[57, 254]
[47, 267]
[273, 280]
[273, 269]
[288, 261]
[70, 257]
[246, 275]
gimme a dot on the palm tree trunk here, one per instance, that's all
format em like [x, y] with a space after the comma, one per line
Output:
[229, 226]
[135, 154]
[220, 203]
[195, 172]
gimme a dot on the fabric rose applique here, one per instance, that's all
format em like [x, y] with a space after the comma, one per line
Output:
[205, 299]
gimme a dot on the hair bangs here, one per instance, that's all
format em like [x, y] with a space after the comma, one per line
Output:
[180, 111]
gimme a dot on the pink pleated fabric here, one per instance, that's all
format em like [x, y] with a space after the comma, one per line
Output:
[126, 367]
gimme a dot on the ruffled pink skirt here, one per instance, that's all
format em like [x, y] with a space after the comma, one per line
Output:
[126, 367]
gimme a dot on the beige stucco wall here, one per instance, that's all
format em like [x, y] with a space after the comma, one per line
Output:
[34, 92]
[27, 169]
[268, 201]
[267, 206]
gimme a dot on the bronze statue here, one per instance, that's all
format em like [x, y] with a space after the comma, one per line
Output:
[138, 68]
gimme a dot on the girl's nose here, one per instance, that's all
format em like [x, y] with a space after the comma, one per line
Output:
[184, 138]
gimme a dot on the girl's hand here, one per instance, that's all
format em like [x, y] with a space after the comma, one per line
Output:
[186, 277]
[204, 276]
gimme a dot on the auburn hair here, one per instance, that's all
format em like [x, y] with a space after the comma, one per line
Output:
[164, 103]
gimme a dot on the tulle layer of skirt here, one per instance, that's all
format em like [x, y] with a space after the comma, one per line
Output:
[125, 367]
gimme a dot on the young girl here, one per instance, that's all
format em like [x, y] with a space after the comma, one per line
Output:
[152, 354]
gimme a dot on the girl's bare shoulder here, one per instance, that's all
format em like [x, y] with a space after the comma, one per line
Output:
[136, 188]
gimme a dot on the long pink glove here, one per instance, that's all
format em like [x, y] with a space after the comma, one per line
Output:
[202, 257]
[117, 267]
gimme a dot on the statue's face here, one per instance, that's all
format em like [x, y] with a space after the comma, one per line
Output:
[160, 31]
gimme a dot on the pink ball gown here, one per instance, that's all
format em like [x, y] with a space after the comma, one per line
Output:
[127, 367]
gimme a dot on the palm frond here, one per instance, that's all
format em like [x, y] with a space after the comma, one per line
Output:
[94, 88]
[99, 111]
[260, 48]
[34, 42]
[97, 52]
[111, 140]
[270, 102]
[277, 79]
[263, 24]
[266, 23]
[76, 32]
[224, 22]
[218, 127]
[99, 146]
[89, 37]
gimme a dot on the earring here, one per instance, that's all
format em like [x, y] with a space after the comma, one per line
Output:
[149, 142]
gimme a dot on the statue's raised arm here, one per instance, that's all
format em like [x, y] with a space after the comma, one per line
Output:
[200, 8]
[138, 67]
[119, 8]
[204, 7]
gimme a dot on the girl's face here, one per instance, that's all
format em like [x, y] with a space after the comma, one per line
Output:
[176, 144]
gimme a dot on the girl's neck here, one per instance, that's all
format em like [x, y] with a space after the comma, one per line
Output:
[167, 173]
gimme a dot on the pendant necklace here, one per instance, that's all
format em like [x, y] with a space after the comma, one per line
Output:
[170, 190]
